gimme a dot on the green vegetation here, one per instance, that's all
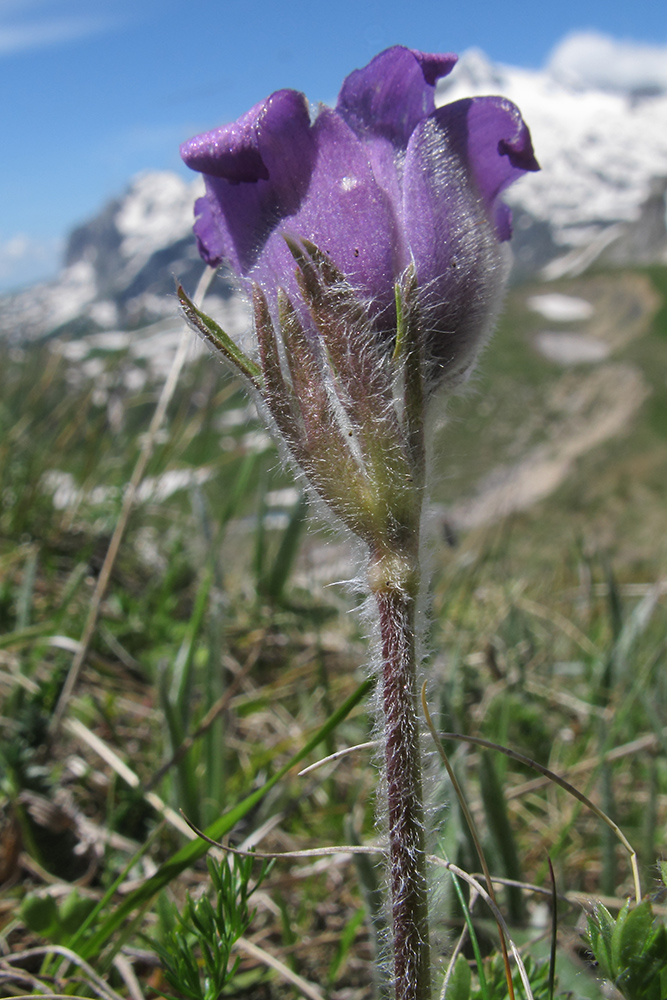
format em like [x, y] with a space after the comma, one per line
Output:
[220, 659]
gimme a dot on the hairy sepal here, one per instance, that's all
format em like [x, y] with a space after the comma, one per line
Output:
[218, 340]
[358, 368]
[276, 390]
[324, 449]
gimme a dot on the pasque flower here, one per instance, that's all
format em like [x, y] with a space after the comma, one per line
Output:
[383, 181]
[370, 240]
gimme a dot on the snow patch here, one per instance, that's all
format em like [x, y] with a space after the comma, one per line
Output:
[571, 348]
[560, 308]
[65, 494]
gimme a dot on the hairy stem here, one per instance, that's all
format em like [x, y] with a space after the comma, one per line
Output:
[395, 594]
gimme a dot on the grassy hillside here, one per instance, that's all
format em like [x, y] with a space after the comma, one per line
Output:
[595, 432]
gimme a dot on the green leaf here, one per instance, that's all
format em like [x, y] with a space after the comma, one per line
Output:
[74, 910]
[601, 926]
[460, 981]
[635, 933]
[40, 915]
[617, 962]
[663, 981]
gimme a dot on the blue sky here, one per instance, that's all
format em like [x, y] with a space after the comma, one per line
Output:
[94, 92]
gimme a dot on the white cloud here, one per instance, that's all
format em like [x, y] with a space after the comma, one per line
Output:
[591, 59]
[24, 260]
[34, 24]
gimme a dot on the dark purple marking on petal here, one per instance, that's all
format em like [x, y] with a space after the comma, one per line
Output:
[520, 150]
[391, 95]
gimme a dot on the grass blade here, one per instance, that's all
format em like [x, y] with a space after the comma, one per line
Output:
[191, 853]
[278, 575]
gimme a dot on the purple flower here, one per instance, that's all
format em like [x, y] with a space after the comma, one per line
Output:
[383, 181]
[370, 240]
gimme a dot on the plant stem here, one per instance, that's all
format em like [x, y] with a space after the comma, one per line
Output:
[395, 593]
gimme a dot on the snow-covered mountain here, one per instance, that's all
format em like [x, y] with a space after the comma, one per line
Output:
[601, 139]
[119, 267]
[602, 145]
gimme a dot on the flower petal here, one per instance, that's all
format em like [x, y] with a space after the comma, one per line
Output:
[492, 138]
[250, 148]
[257, 172]
[391, 95]
[459, 263]
[346, 214]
